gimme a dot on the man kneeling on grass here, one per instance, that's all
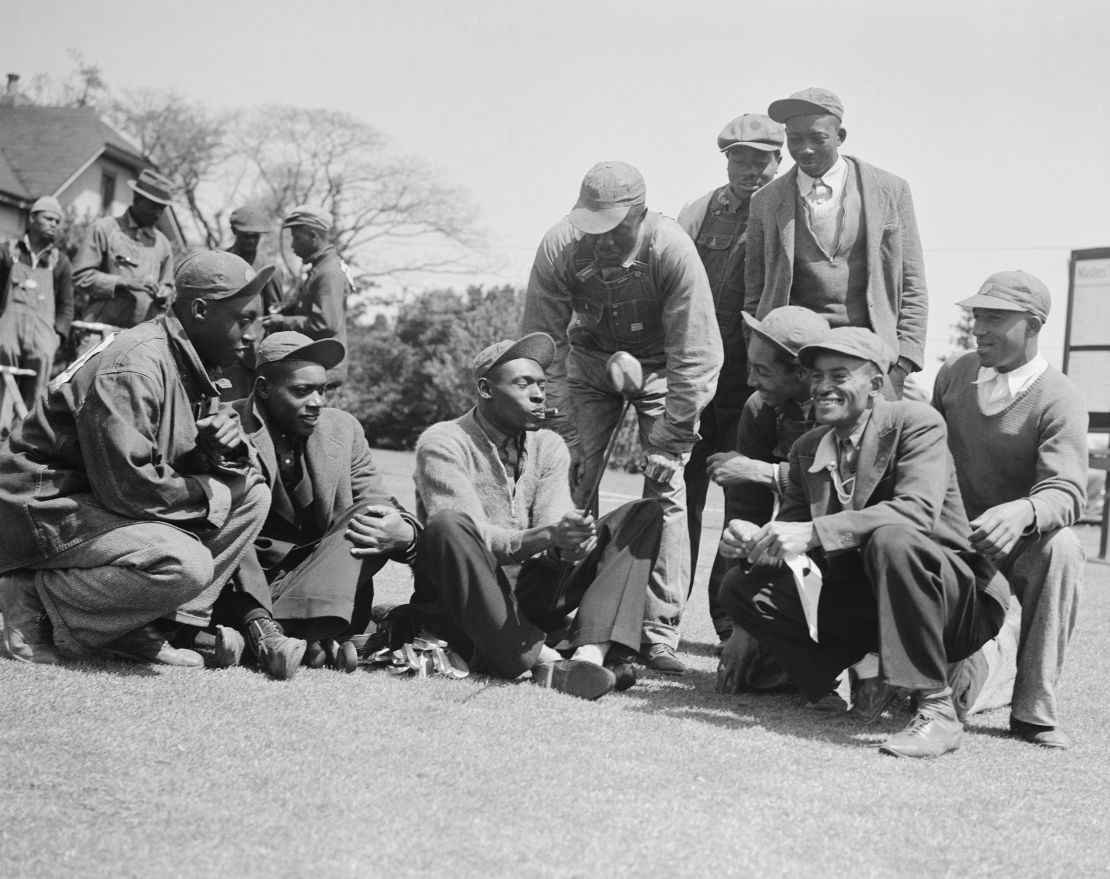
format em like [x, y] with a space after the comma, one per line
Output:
[507, 560]
[872, 504]
[332, 526]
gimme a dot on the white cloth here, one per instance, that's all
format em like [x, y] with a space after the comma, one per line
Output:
[808, 579]
[997, 389]
[834, 179]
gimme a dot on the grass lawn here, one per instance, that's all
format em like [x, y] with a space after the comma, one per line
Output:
[117, 770]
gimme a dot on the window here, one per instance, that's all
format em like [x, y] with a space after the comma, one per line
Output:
[107, 193]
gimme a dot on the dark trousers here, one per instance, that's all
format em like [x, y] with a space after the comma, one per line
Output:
[918, 605]
[316, 591]
[508, 622]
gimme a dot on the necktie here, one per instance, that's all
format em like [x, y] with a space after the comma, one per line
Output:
[845, 481]
[821, 191]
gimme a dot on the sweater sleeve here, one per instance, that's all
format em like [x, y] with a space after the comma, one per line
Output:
[1060, 490]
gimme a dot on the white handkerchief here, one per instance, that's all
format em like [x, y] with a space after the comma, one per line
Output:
[807, 577]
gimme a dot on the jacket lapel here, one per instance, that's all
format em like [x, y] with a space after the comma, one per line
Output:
[322, 453]
[872, 218]
[784, 216]
[876, 447]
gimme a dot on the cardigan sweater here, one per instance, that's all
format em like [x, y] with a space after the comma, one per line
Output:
[458, 468]
[1035, 448]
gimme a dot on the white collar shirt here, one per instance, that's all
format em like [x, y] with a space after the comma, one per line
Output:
[996, 390]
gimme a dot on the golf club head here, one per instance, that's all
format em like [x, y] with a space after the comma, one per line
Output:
[625, 374]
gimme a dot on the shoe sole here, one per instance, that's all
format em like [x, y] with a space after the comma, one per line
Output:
[282, 666]
[112, 653]
[583, 680]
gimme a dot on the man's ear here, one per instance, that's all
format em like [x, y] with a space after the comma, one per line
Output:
[842, 135]
[1033, 326]
[484, 388]
[198, 309]
[877, 381]
[261, 388]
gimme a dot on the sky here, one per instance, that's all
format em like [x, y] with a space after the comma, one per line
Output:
[995, 112]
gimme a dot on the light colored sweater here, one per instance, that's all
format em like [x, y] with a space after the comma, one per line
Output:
[1035, 448]
[457, 468]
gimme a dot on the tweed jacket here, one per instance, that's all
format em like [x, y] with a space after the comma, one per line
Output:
[904, 476]
[897, 298]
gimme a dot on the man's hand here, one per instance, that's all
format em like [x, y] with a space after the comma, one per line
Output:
[378, 530]
[996, 532]
[138, 285]
[219, 434]
[782, 540]
[737, 656]
[736, 539]
[575, 535]
[732, 468]
[273, 323]
[660, 466]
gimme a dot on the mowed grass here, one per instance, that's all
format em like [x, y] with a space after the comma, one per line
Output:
[116, 770]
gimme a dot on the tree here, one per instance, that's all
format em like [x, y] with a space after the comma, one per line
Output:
[84, 86]
[960, 337]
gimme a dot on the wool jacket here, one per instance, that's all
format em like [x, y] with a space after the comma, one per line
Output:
[319, 307]
[897, 298]
[458, 468]
[1035, 448]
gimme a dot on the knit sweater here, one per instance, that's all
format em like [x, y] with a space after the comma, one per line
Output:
[457, 468]
[1035, 448]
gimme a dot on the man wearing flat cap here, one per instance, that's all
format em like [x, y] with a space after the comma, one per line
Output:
[717, 222]
[332, 526]
[123, 271]
[632, 281]
[1017, 428]
[505, 557]
[36, 298]
[319, 307]
[869, 553]
[248, 224]
[753, 475]
[838, 236]
[128, 497]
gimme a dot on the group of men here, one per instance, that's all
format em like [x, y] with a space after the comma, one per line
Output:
[775, 326]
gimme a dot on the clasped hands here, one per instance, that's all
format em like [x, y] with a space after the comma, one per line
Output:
[773, 542]
[732, 468]
[379, 529]
[574, 536]
[996, 532]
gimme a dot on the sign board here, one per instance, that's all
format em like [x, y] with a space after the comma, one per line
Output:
[1087, 336]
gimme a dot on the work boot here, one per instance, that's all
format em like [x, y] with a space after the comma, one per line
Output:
[279, 655]
[871, 697]
[229, 647]
[26, 636]
[661, 658]
[149, 646]
[934, 730]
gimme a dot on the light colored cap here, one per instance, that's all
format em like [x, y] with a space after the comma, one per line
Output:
[535, 346]
[1012, 291]
[854, 341]
[790, 327]
[217, 274]
[752, 130]
[47, 203]
[609, 191]
[313, 216]
[808, 102]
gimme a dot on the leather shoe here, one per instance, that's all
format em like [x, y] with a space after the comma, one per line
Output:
[933, 731]
[661, 658]
[871, 697]
[150, 647]
[622, 663]
[575, 677]
[26, 631]
[229, 647]
[279, 655]
[1044, 736]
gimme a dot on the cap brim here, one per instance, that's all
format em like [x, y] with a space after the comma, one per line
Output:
[535, 346]
[253, 287]
[765, 147]
[756, 327]
[807, 354]
[250, 230]
[326, 352]
[788, 108]
[597, 222]
[981, 300]
[157, 199]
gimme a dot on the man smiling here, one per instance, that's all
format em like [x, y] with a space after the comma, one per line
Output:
[1018, 432]
[872, 499]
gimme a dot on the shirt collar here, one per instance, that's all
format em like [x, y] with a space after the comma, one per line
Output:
[1017, 379]
[834, 177]
[36, 256]
[827, 455]
[497, 437]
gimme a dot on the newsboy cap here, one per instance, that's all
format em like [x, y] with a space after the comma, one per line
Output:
[853, 341]
[217, 274]
[608, 192]
[1012, 291]
[808, 102]
[535, 346]
[789, 327]
[752, 130]
[249, 219]
[290, 345]
[313, 216]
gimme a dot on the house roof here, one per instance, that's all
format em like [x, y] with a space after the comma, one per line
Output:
[42, 147]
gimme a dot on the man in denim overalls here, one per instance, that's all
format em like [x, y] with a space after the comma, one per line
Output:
[613, 276]
[36, 298]
[718, 223]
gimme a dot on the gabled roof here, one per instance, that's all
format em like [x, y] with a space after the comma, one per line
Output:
[41, 148]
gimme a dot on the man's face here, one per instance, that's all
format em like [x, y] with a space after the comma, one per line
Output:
[776, 380]
[1002, 338]
[614, 246]
[814, 142]
[514, 395]
[750, 169]
[246, 245]
[303, 240]
[44, 226]
[293, 396]
[843, 388]
[146, 212]
[222, 330]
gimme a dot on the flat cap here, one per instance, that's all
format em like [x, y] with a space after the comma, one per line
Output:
[808, 102]
[752, 130]
[535, 346]
[853, 341]
[790, 327]
[609, 191]
[217, 274]
[289, 345]
[47, 203]
[1012, 291]
[313, 216]
[249, 219]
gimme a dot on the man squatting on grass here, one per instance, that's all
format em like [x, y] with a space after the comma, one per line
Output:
[331, 525]
[505, 557]
[127, 497]
[872, 496]
[1018, 432]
